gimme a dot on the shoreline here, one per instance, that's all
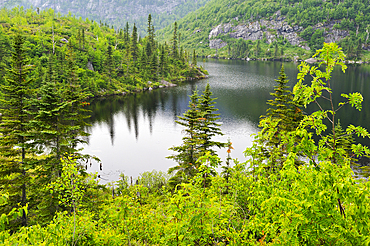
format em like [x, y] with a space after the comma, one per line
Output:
[278, 59]
[163, 84]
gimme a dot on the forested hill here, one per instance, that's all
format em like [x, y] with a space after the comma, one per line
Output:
[105, 61]
[232, 28]
[117, 13]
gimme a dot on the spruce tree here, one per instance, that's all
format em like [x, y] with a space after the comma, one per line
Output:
[174, 51]
[162, 61]
[200, 127]
[50, 131]
[50, 134]
[282, 107]
[194, 60]
[154, 67]
[134, 47]
[286, 114]
[83, 38]
[75, 96]
[14, 146]
[3, 54]
[126, 35]
[208, 127]
[150, 41]
[188, 152]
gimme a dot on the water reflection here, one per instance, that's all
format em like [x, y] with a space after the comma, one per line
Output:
[132, 134]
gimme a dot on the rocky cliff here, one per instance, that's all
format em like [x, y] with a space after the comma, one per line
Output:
[272, 29]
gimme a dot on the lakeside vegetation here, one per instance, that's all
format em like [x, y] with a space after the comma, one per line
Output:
[293, 190]
[296, 188]
[106, 61]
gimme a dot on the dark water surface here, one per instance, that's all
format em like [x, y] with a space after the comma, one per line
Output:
[132, 134]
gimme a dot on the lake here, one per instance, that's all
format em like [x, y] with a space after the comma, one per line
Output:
[131, 134]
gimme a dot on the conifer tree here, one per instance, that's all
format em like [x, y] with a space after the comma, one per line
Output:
[174, 50]
[51, 135]
[194, 60]
[50, 131]
[126, 35]
[286, 114]
[73, 94]
[200, 127]
[208, 127]
[150, 41]
[2, 57]
[83, 38]
[162, 61]
[14, 128]
[154, 67]
[188, 152]
[134, 47]
[282, 107]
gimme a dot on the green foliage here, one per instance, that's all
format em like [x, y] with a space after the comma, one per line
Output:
[314, 16]
[188, 152]
[282, 118]
[15, 127]
[318, 202]
[13, 214]
[105, 61]
[200, 127]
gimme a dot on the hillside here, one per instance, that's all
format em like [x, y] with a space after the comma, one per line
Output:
[287, 28]
[117, 13]
[106, 62]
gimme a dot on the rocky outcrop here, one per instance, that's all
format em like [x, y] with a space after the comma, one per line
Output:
[272, 29]
[90, 66]
[167, 84]
[217, 43]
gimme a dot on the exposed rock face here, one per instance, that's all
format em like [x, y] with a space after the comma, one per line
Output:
[272, 29]
[90, 66]
[217, 43]
[331, 34]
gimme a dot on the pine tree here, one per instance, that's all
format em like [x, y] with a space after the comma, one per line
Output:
[162, 61]
[200, 127]
[83, 38]
[50, 134]
[154, 67]
[208, 128]
[174, 51]
[14, 145]
[282, 106]
[126, 35]
[3, 54]
[74, 95]
[134, 47]
[286, 114]
[194, 60]
[150, 41]
[188, 152]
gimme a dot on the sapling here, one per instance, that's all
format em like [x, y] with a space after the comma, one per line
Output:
[69, 188]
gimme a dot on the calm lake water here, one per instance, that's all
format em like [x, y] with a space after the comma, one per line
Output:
[132, 134]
